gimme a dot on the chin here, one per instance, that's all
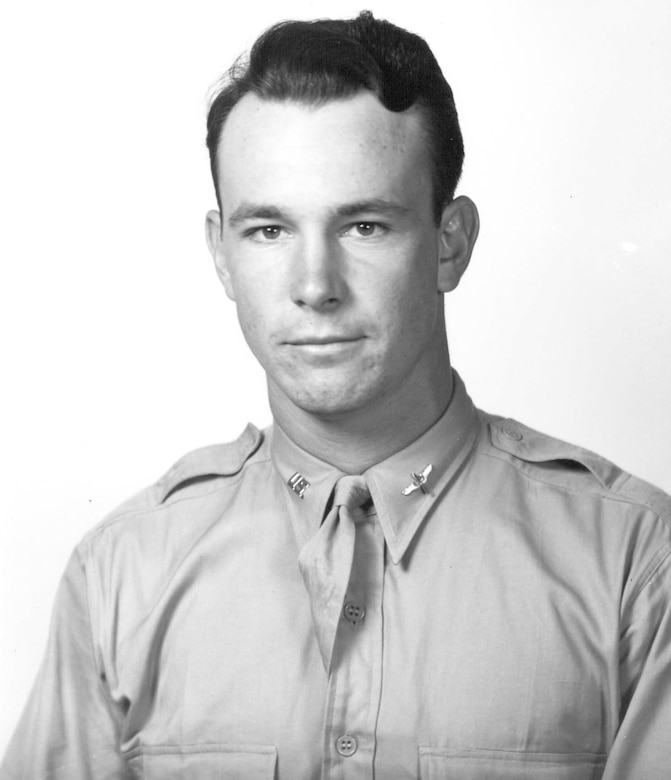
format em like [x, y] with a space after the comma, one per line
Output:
[325, 400]
[334, 402]
[322, 407]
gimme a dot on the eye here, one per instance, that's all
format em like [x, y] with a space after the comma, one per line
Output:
[270, 232]
[365, 228]
[264, 234]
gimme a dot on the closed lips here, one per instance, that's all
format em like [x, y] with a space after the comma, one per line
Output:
[324, 340]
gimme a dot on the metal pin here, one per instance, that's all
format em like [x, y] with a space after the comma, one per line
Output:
[418, 480]
[298, 484]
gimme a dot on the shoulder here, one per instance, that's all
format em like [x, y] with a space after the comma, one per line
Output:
[211, 462]
[195, 475]
[568, 467]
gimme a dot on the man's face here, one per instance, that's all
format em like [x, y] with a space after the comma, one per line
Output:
[329, 247]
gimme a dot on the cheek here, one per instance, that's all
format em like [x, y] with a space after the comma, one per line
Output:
[251, 310]
[411, 304]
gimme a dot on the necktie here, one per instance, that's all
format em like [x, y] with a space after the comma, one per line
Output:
[326, 561]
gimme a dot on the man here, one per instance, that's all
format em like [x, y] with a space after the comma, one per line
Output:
[387, 583]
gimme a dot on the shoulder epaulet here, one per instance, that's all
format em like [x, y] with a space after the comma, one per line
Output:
[215, 460]
[534, 447]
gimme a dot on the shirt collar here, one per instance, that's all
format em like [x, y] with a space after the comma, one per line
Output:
[444, 447]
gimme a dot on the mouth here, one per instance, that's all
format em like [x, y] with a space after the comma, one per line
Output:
[324, 341]
[325, 347]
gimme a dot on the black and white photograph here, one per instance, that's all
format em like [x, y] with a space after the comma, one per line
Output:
[336, 391]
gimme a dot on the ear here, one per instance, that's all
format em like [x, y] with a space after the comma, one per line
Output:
[215, 243]
[459, 226]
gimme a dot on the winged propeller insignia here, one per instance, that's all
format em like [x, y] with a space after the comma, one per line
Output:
[418, 480]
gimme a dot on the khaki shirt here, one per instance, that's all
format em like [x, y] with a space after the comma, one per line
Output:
[509, 619]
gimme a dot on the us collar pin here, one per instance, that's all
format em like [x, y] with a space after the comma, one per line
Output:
[298, 484]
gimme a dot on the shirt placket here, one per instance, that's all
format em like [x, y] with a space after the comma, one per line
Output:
[355, 682]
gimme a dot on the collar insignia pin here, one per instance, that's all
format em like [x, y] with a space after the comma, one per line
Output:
[418, 480]
[298, 484]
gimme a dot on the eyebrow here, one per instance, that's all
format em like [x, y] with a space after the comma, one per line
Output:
[374, 206]
[249, 211]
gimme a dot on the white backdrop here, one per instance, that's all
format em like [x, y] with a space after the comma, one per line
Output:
[120, 351]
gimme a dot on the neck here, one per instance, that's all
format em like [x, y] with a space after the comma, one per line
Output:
[354, 441]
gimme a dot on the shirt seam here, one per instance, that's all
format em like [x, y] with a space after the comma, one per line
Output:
[110, 704]
[656, 564]
[198, 748]
[606, 493]
[230, 481]
[172, 576]
[534, 755]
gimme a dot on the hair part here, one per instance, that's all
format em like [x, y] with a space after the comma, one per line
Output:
[323, 60]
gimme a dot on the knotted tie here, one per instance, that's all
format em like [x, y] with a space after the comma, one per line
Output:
[326, 561]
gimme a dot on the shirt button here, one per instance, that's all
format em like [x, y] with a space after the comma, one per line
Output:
[346, 745]
[353, 612]
[511, 433]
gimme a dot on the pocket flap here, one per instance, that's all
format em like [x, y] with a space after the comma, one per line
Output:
[204, 762]
[445, 764]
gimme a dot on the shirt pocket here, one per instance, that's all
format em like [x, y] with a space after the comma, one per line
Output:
[203, 762]
[444, 764]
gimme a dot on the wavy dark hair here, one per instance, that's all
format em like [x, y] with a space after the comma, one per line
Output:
[330, 59]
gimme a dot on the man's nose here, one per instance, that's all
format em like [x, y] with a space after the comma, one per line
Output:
[317, 274]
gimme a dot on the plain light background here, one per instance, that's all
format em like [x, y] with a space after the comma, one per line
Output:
[120, 351]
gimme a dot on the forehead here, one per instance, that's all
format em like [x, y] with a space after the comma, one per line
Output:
[340, 150]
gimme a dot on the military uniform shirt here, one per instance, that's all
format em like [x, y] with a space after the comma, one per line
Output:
[508, 618]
